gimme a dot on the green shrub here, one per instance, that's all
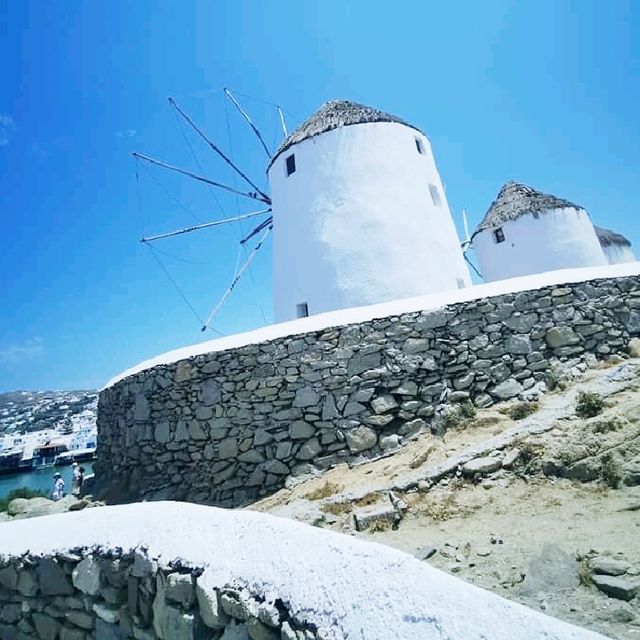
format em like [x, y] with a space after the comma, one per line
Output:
[589, 404]
[21, 492]
[521, 410]
[451, 420]
[467, 410]
[605, 426]
[460, 416]
[611, 471]
[556, 381]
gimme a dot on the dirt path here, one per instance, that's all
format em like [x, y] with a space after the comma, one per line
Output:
[519, 529]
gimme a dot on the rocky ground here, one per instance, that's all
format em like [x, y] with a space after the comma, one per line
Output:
[20, 508]
[538, 502]
[38, 410]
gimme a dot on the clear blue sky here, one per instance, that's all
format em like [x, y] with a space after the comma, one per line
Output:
[545, 92]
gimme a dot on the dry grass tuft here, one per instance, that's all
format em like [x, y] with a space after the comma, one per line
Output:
[528, 451]
[379, 526]
[442, 509]
[585, 572]
[421, 457]
[337, 508]
[365, 501]
[324, 491]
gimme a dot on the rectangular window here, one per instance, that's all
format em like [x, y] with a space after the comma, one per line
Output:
[419, 146]
[291, 164]
[460, 282]
[435, 195]
[302, 310]
[498, 235]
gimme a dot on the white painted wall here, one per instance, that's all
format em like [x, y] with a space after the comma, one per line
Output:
[349, 588]
[356, 224]
[617, 254]
[557, 239]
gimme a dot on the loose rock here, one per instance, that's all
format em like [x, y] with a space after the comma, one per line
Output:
[622, 588]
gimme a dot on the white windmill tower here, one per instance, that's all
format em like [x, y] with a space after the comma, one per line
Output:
[360, 214]
[357, 210]
[526, 231]
[616, 247]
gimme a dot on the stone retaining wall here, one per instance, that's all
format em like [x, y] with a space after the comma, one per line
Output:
[86, 594]
[229, 426]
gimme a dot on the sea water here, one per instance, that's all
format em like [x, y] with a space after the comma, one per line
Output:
[41, 479]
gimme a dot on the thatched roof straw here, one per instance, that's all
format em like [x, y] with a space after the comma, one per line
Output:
[332, 115]
[610, 238]
[515, 200]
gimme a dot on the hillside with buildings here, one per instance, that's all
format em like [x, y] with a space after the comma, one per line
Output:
[36, 427]
[28, 411]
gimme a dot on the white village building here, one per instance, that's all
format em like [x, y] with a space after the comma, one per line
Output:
[360, 215]
[526, 232]
[616, 247]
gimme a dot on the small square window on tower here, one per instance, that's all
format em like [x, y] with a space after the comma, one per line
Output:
[435, 195]
[291, 164]
[419, 146]
[498, 235]
[302, 310]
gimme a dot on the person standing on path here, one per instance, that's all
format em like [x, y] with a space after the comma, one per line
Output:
[58, 487]
[76, 482]
[80, 479]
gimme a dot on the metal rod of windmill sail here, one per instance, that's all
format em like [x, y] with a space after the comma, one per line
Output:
[204, 225]
[253, 196]
[228, 160]
[242, 269]
[245, 115]
[257, 230]
[465, 224]
[473, 266]
[282, 123]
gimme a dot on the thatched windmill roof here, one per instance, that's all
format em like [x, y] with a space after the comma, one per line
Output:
[515, 200]
[332, 115]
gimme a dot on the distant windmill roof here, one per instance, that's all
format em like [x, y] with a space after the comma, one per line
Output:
[332, 115]
[609, 238]
[515, 200]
